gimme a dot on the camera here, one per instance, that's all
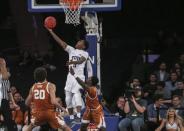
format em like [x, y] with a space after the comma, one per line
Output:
[132, 92]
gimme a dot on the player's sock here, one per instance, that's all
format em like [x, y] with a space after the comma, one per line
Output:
[71, 117]
[79, 115]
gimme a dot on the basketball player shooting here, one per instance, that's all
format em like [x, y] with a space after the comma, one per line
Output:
[42, 96]
[77, 60]
[94, 111]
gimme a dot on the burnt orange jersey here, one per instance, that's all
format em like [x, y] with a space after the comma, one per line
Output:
[41, 97]
[92, 101]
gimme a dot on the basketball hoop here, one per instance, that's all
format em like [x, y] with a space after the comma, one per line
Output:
[72, 9]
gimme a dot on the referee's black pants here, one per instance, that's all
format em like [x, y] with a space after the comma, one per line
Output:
[6, 112]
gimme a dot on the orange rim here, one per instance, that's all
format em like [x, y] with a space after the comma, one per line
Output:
[73, 4]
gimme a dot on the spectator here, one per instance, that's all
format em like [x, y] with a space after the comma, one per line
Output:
[162, 74]
[172, 122]
[17, 116]
[150, 88]
[13, 89]
[134, 109]
[160, 88]
[179, 73]
[20, 102]
[179, 88]
[118, 108]
[134, 83]
[155, 113]
[170, 85]
[176, 103]
[17, 97]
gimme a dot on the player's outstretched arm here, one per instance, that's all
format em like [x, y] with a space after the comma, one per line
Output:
[81, 82]
[89, 68]
[57, 39]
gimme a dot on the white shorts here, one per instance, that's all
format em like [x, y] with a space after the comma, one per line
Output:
[72, 85]
[73, 99]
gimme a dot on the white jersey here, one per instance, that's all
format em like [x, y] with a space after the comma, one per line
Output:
[74, 55]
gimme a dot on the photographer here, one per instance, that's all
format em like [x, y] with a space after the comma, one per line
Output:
[134, 108]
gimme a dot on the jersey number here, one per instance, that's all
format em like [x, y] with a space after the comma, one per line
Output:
[39, 94]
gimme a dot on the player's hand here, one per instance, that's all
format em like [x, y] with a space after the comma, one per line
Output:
[72, 71]
[50, 30]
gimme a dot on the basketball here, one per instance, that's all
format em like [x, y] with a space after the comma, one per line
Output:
[50, 22]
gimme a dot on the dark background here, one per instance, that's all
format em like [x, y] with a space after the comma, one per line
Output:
[141, 27]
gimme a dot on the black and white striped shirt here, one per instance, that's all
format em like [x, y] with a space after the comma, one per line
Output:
[5, 88]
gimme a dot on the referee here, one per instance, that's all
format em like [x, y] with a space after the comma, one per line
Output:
[5, 96]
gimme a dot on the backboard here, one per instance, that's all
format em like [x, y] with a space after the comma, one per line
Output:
[88, 5]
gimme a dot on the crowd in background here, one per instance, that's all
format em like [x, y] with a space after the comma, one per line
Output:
[143, 105]
[147, 105]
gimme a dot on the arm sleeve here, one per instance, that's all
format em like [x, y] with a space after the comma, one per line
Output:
[69, 49]
[89, 68]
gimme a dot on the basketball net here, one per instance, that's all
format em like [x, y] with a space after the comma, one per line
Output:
[72, 9]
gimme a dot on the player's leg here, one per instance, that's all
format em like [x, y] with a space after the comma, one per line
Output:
[98, 119]
[78, 103]
[68, 100]
[85, 120]
[34, 117]
[37, 118]
[56, 121]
